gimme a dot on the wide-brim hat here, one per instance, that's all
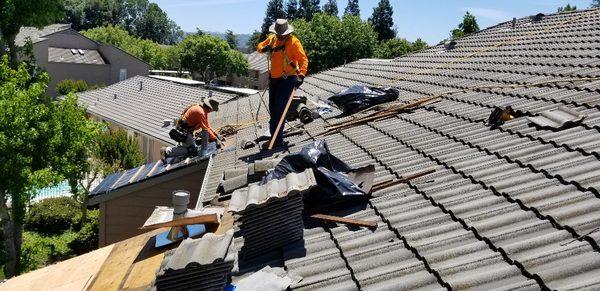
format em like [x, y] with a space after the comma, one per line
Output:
[212, 104]
[281, 27]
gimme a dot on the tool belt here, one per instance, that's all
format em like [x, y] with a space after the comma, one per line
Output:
[181, 131]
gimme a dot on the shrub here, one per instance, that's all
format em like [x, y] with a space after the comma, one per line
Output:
[67, 86]
[87, 237]
[53, 215]
[38, 251]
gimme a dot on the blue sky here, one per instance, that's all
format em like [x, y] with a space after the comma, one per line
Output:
[430, 20]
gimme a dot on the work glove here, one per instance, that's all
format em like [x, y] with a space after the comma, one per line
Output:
[299, 81]
[267, 48]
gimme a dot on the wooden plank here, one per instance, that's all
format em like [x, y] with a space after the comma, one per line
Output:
[390, 183]
[115, 269]
[201, 219]
[344, 220]
[72, 274]
[142, 272]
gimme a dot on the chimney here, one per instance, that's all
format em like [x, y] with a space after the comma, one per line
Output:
[514, 23]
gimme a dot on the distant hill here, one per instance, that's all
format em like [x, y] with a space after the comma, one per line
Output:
[242, 38]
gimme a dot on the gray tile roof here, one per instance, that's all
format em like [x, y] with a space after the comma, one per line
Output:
[511, 207]
[36, 34]
[145, 110]
[257, 62]
[78, 56]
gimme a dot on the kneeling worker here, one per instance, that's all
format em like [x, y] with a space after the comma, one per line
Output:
[193, 118]
[288, 68]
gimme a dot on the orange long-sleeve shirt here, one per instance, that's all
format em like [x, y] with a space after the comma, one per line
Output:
[197, 118]
[293, 50]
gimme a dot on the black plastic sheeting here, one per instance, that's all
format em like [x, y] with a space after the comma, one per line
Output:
[359, 97]
[333, 185]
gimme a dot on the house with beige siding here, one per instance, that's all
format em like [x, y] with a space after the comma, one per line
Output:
[66, 54]
[257, 77]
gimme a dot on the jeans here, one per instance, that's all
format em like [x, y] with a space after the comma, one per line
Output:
[280, 90]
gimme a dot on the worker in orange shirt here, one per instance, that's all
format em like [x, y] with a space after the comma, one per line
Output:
[288, 67]
[193, 118]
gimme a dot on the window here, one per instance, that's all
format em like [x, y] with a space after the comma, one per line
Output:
[122, 74]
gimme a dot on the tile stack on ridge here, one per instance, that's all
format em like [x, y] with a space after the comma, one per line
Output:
[269, 216]
[200, 264]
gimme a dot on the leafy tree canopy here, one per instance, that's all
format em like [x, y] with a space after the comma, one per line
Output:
[273, 12]
[382, 20]
[331, 8]
[331, 42]
[231, 39]
[15, 14]
[291, 9]
[567, 8]
[352, 8]
[42, 142]
[139, 17]
[210, 57]
[158, 56]
[308, 8]
[468, 26]
[253, 41]
[398, 47]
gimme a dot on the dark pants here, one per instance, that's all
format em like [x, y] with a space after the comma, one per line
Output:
[280, 90]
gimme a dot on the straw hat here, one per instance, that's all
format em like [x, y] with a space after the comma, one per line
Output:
[281, 27]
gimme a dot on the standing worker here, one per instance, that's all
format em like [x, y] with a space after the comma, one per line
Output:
[194, 117]
[288, 68]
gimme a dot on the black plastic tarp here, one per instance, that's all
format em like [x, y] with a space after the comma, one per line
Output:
[359, 97]
[333, 185]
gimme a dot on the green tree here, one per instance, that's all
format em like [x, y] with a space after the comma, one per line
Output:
[468, 26]
[291, 9]
[567, 8]
[210, 57]
[155, 25]
[274, 11]
[158, 56]
[331, 42]
[253, 41]
[382, 20]
[15, 14]
[595, 3]
[331, 8]
[397, 47]
[308, 8]
[352, 8]
[42, 142]
[98, 13]
[231, 39]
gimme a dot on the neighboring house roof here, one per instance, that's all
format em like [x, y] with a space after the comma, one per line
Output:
[145, 110]
[143, 173]
[36, 34]
[77, 56]
[511, 207]
[257, 62]
[177, 80]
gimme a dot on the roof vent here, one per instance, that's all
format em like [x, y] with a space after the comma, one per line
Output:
[449, 45]
[141, 85]
[538, 17]
[210, 94]
[81, 52]
[514, 23]
[74, 51]
[115, 96]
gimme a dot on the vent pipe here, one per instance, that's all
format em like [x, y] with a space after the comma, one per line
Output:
[514, 23]
[181, 199]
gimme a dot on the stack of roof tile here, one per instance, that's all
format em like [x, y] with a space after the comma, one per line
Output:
[269, 216]
[198, 264]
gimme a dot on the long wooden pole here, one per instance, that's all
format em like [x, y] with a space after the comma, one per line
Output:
[281, 120]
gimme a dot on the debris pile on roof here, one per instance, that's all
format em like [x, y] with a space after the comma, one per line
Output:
[200, 264]
[237, 178]
[558, 118]
[269, 216]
